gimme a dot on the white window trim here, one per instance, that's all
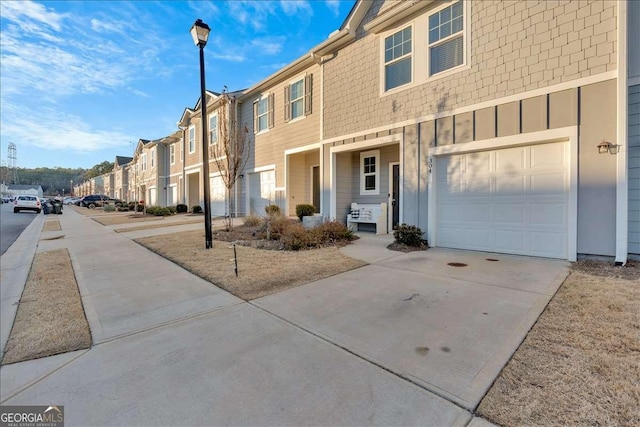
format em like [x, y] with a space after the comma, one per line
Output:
[376, 155]
[411, 55]
[190, 140]
[144, 162]
[264, 97]
[301, 99]
[153, 156]
[217, 128]
[420, 50]
[172, 154]
[465, 40]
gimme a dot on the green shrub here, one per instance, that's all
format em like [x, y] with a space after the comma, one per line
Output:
[123, 208]
[272, 210]
[182, 208]
[172, 209]
[109, 207]
[409, 235]
[159, 211]
[132, 207]
[305, 210]
[253, 221]
[196, 209]
[332, 232]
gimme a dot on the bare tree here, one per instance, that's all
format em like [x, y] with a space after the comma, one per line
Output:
[231, 152]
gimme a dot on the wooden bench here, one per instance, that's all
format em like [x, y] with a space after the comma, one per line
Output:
[368, 214]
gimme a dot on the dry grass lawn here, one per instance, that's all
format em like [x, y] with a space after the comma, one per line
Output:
[51, 225]
[50, 318]
[261, 272]
[580, 363]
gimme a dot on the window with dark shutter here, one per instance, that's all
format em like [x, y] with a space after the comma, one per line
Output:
[308, 90]
[271, 108]
[287, 104]
[255, 117]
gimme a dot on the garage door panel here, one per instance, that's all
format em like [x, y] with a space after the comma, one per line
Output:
[476, 163]
[510, 213]
[477, 212]
[548, 244]
[510, 160]
[515, 200]
[548, 156]
[510, 241]
[477, 186]
[510, 186]
[549, 214]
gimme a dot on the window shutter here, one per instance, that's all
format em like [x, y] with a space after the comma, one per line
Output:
[308, 90]
[255, 117]
[287, 104]
[271, 117]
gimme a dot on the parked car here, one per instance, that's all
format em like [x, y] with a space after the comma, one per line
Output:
[71, 200]
[98, 200]
[27, 202]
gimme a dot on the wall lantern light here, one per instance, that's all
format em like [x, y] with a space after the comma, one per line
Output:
[607, 147]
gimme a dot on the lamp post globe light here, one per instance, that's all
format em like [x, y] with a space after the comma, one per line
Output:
[200, 34]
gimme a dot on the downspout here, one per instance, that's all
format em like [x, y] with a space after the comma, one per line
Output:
[235, 184]
[622, 191]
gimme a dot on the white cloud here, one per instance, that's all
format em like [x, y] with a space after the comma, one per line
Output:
[227, 56]
[269, 45]
[294, 7]
[23, 12]
[52, 130]
[334, 6]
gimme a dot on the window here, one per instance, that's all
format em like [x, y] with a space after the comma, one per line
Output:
[213, 129]
[297, 98]
[446, 38]
[397, 59]
[153, 156]
[172, 154]
[192, 139]
[263, 113]
[144, 162]
[370, 172]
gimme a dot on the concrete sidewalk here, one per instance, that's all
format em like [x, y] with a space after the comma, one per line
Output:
[406, 340]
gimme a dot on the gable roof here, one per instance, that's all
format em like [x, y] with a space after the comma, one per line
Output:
[122, 160]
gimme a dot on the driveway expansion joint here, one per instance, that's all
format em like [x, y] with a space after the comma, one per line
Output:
[368, 359]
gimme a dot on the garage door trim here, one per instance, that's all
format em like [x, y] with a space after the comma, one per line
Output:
[566, 134]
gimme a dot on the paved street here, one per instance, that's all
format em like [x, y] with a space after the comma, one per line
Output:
[11, 225]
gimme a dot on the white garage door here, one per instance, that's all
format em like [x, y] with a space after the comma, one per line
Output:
[512, 200]
[262, 190]
[218, 205]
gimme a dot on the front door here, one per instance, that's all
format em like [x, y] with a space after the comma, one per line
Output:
[316, 188]
[395, 195]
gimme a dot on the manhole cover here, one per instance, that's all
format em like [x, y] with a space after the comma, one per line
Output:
[457, 264]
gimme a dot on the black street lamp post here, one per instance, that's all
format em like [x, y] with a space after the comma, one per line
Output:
[200, 34]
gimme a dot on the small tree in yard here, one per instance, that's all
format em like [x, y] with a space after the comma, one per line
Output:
[231, 152]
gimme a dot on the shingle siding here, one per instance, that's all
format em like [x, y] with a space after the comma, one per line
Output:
[516, 46]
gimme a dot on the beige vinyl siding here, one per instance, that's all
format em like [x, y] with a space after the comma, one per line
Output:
[388, 154]
[634, 170]
[516, 46]
[344, 185]
[269, 146]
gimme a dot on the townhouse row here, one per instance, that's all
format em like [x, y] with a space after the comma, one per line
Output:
[502, 126]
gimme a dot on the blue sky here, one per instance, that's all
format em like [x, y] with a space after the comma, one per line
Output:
[82, 81]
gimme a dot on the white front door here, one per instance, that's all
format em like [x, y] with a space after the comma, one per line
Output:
[512, 200]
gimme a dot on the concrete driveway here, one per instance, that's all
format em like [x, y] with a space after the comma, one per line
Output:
[447, 329]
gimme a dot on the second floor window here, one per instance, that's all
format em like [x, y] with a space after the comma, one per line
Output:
[297, 98]
[213, 129]
[172, 154]
[144, 162]
[263, 118]
[192, 139]
[397, 59]
[153, 157]
[446, 39]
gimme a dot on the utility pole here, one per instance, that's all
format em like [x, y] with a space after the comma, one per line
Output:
[13, 162]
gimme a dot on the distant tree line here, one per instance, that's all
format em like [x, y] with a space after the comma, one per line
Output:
[54, 180]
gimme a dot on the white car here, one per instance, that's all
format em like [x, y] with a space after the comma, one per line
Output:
[27, 202]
